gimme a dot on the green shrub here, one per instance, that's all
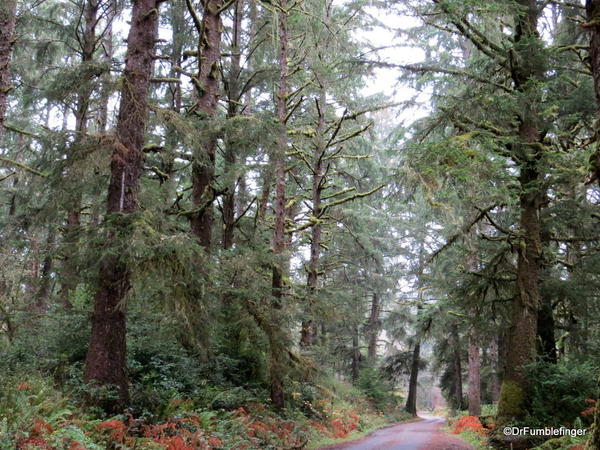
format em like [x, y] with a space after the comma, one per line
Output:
[559, 393]
[371, 383]
[233, 398]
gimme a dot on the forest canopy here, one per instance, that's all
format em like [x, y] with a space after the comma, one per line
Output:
[279, 223]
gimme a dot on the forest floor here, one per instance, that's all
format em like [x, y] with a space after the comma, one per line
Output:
[425, 434]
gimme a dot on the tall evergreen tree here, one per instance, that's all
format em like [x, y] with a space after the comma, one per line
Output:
[106, 358]
[8, 17]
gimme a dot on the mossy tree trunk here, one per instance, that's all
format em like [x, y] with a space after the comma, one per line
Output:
[277, 356]
[593, 26]
[207, 88]
[105, 364]
[234, 93]
[527, 71]
[8, 16]
[309, 332]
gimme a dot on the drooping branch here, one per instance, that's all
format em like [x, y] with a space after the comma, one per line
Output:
[464, 230]
[12, 163]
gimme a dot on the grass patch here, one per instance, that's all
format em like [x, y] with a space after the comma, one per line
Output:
[475, 439]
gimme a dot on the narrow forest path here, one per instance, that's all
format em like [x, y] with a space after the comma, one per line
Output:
[425, 434]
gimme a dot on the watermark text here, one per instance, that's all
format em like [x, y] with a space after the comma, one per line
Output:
[546, 432]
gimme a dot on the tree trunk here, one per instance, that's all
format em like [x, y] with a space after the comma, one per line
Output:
[474, 374]
[43, 292]
[277, 356]
[105, 365]
[456, 361]
[523, 331]
[309, 327]
[495, 378]
[70, 272]
[411, 400]
[545, 325]
[593, 26]
[105, 91]
[8, 16]
[355, 355]
[233, 94]
[373, 328]
[207, 87]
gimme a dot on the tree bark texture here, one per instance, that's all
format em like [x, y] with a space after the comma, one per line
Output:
[593, 26]
[207, 87]
[277, 353]
[374, 325]
[474, 374]
[309, 330]
[456, 361]
[233, 94]
[495, 365]
[526, 68]
[8, 16]
[411, 400]
[105, 364]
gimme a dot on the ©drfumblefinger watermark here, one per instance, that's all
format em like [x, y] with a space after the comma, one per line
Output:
[547, 431]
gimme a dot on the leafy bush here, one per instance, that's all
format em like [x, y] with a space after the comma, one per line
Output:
[559, 393]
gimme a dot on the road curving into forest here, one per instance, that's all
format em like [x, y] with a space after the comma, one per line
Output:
[424, 434]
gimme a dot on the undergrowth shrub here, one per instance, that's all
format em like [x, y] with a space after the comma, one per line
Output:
[560, 393]
[377, 389]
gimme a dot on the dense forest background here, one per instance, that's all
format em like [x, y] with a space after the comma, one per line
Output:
[221, 228]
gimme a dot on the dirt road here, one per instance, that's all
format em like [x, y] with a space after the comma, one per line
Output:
[425, 434]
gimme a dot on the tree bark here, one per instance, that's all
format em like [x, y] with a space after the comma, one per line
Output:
[474, 374]
[43, 293]
[523, 331]
[545, 326]
[8, 17]
[411, 400]
[70, 272]
[593, 26]
[355, 355]
[374, 328]
[309, 327]
[233, 94]
[105, 364]
[495, 378]
[277, 353]
[207, 88]
[456, 361]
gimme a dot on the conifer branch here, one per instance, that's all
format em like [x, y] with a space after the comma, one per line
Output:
[350, 198]
[464, 230]
[12, 163]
